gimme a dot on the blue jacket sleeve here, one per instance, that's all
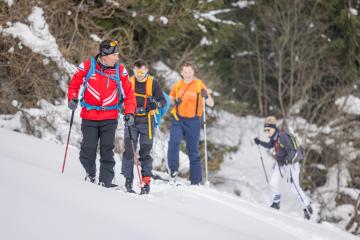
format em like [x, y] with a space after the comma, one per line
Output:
[269, 144]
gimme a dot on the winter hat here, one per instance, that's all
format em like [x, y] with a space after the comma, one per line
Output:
[270, 122]
[108, 47]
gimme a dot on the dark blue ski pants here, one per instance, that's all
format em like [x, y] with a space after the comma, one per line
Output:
[139, 133]
[189, 129]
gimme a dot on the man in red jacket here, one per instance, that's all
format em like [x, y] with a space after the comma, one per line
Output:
[105, 86]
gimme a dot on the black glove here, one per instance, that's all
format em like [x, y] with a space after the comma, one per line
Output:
[204, 93]
[129, 120]
[153, 104]
[257, 141]
[177, 102]
[72, 104]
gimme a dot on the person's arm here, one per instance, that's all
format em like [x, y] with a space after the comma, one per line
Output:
[129, 96]
[210, 101]
[285, 143]
[206, 93]
[158, 94]
[269, 144]
[77, 80]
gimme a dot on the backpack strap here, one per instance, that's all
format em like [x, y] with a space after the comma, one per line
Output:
[149, 86]
[148, 90]
[177, 87]
[198, 92]
[294, 142]
[90, 72]
[119, 86]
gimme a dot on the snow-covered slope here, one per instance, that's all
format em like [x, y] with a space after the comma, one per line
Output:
[38, 202]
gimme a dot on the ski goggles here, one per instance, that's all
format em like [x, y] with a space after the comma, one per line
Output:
[113, 43]
[140, 73]
[109, 49]
[267, 130]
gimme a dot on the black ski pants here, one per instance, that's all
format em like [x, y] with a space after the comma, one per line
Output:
[93, 131]
[139, 133]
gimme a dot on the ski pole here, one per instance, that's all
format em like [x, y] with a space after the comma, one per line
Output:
[135, 157]
[68, 139]
[154, 135]
[205, 141]
[262, 163]
[298, 192]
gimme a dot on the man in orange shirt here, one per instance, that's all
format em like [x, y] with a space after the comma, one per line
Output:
[186, 97]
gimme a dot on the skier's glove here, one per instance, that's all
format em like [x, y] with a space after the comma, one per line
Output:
[129, 120]
[204, 93]
[257, 141]
[72, 104]
[153, 104]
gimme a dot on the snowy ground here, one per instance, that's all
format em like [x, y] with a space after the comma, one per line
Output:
[38, 202]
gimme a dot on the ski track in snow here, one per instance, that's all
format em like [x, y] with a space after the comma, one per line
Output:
[38, 202]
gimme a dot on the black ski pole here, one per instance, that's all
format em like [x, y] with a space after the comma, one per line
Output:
[68, 139]
[262, 163]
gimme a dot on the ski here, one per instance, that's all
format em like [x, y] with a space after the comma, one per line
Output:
[158, 177]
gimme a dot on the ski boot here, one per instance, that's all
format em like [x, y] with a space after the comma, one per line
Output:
[309, 208]
[146, 188]
[275, 205]
[90, 178]
[173, 177]
[103, 184]
[306, 214]
[129, 185]
[308, 211]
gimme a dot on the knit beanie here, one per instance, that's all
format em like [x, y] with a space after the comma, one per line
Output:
[270, 122]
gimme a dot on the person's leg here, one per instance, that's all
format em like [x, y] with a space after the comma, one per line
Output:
[176, 135]
[145, 148]
[294, 170]
[275, 185]
[192, 135]
[107, 131]
[88, 149]
[127, 167]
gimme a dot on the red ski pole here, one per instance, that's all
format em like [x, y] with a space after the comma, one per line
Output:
[68, 139]
[135, 158]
